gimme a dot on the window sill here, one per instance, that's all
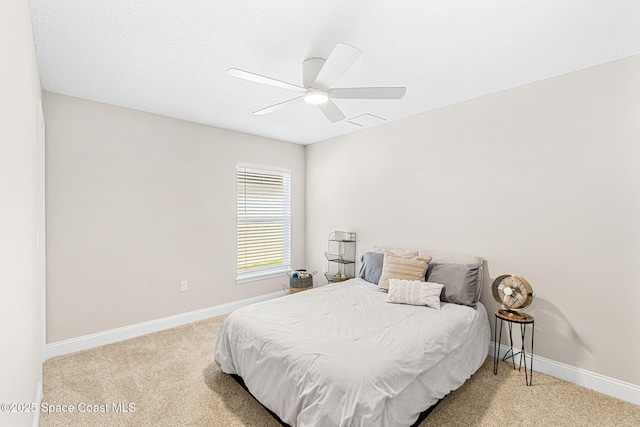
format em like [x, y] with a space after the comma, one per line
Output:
[261, 276]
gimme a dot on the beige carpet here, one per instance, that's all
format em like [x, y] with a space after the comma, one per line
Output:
[171, 380]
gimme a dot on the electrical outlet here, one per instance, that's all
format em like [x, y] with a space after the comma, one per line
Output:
[183, 286]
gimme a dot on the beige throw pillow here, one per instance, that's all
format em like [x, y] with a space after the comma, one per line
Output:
[402, 267]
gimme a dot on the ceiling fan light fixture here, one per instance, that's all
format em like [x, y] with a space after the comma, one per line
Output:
[316, 97]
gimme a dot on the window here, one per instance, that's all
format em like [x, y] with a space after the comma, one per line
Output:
[264, 222]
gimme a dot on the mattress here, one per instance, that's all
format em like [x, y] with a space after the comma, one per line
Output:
[340, 355]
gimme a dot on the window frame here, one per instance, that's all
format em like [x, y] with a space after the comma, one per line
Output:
[284, 267]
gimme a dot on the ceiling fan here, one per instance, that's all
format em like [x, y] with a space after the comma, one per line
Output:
[318, 75]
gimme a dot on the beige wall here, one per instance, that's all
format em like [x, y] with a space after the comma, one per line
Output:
[20, 354]
[138, 202]
[542, 180]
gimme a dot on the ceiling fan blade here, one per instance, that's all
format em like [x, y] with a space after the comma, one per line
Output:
[339, 61]
[331, 111]
[262, 79]
[279, 106]
[310, 69]
[368, 92]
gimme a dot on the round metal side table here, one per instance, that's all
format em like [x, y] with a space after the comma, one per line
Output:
[523, 320]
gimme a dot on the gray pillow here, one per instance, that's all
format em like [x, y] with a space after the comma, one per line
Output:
[459, 280]
[371, 268]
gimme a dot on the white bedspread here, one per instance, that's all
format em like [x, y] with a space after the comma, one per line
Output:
[340, 355]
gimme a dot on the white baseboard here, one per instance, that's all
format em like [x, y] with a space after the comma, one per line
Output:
[38, 401]
[600, 383]
[119, 334]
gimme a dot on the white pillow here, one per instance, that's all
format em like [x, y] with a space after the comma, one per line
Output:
[395, 251]
[414, 292]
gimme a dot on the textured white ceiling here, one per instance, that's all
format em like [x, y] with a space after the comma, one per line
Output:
[170, 57]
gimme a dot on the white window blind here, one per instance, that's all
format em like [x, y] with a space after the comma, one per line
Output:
[264, 222]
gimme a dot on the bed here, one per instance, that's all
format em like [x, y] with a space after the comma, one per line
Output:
[341, 355]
